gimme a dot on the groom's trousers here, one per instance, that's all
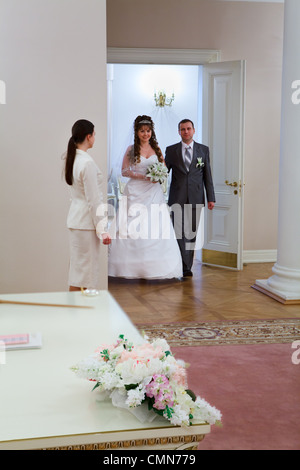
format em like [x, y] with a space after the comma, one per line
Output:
[186, 222]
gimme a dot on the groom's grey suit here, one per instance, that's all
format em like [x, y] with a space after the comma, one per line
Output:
[187, 187]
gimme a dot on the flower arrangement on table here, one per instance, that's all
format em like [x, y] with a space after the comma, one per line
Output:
[146, 374]
[157, 172]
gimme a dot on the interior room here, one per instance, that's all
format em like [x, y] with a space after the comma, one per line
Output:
[236, 327]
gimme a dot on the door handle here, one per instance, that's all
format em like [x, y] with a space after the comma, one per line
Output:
[234, 184]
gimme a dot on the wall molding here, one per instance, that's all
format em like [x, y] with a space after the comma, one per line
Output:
[123, 55]
[259, 256]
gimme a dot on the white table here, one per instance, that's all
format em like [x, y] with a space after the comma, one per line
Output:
[44, 405]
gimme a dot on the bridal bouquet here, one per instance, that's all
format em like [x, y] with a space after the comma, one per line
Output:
[146, 374]
[158, 172]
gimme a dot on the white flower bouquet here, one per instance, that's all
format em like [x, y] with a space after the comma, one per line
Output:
[157, 172]
[147, 374]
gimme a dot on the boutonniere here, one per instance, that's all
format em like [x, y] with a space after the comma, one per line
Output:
[200, 163]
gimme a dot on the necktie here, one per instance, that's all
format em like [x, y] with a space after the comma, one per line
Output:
[187, 157]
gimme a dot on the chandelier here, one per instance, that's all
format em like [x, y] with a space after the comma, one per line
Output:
[161, 99]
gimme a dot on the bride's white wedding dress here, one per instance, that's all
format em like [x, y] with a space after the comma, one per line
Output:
[144, 245]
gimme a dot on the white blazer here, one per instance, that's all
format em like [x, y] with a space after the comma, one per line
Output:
[86, 194]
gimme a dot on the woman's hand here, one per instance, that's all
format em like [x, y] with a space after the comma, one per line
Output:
[106, 239]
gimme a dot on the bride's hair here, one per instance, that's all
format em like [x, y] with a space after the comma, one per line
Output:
[135, 154]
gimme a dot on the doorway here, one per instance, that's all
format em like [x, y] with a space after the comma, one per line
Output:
[133, 90]
[224, 92]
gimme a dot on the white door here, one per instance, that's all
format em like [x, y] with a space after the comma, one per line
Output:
[223, 133]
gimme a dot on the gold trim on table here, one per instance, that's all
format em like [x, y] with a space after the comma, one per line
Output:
[180, 442]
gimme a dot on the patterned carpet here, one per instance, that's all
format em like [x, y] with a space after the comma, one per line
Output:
[229, 332]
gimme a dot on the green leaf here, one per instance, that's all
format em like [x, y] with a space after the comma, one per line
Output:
[96, 386]
[169, 411]
[191, 394]
[131, 386]
[105, 354]
[159, 412]
[150, 403]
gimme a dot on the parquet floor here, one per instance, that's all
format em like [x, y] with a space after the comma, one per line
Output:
[212, 294]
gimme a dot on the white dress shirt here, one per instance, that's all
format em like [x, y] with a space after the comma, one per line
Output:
[185, 146]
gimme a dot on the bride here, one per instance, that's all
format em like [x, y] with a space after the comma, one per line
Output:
[144, 245]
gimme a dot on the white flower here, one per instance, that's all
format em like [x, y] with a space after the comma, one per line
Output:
[157, 172]
[109, 380]
[200, 163]
[161, 343]
[116, 352]
[134, 371]
[135, 396]
[179, 417]
[205, 412]
[169, 367]
[184, 400]
[88, 368]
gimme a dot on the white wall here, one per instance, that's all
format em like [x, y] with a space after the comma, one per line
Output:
[133, 88]
[53, 61]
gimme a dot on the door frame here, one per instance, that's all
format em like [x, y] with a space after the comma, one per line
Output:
[125, 55]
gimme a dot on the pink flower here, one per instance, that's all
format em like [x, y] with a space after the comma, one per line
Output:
[159, 389]
[180, 376]
[142, 353]
[125, 355]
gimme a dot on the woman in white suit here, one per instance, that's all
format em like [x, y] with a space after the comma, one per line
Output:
[85, 226]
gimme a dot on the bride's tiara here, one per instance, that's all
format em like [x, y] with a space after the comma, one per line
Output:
[145, 121]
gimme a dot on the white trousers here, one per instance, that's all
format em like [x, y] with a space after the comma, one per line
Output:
[85, 267]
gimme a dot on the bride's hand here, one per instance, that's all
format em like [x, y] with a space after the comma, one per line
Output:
[148, 178]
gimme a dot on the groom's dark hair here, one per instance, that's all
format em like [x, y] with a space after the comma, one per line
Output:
[184, 121]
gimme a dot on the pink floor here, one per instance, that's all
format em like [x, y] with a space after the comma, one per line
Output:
[257, 389]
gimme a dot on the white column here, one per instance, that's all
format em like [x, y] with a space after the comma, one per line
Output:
[285, 283]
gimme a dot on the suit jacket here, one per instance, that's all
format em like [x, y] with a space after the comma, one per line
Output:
[188, 186]
[86, 194]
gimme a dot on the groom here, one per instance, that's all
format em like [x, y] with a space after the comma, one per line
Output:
[191, 173]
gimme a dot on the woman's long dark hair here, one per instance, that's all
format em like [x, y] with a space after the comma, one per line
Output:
[140, 121]
[80, 130]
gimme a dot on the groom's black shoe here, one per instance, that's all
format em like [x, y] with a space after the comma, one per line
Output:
[187, 274]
